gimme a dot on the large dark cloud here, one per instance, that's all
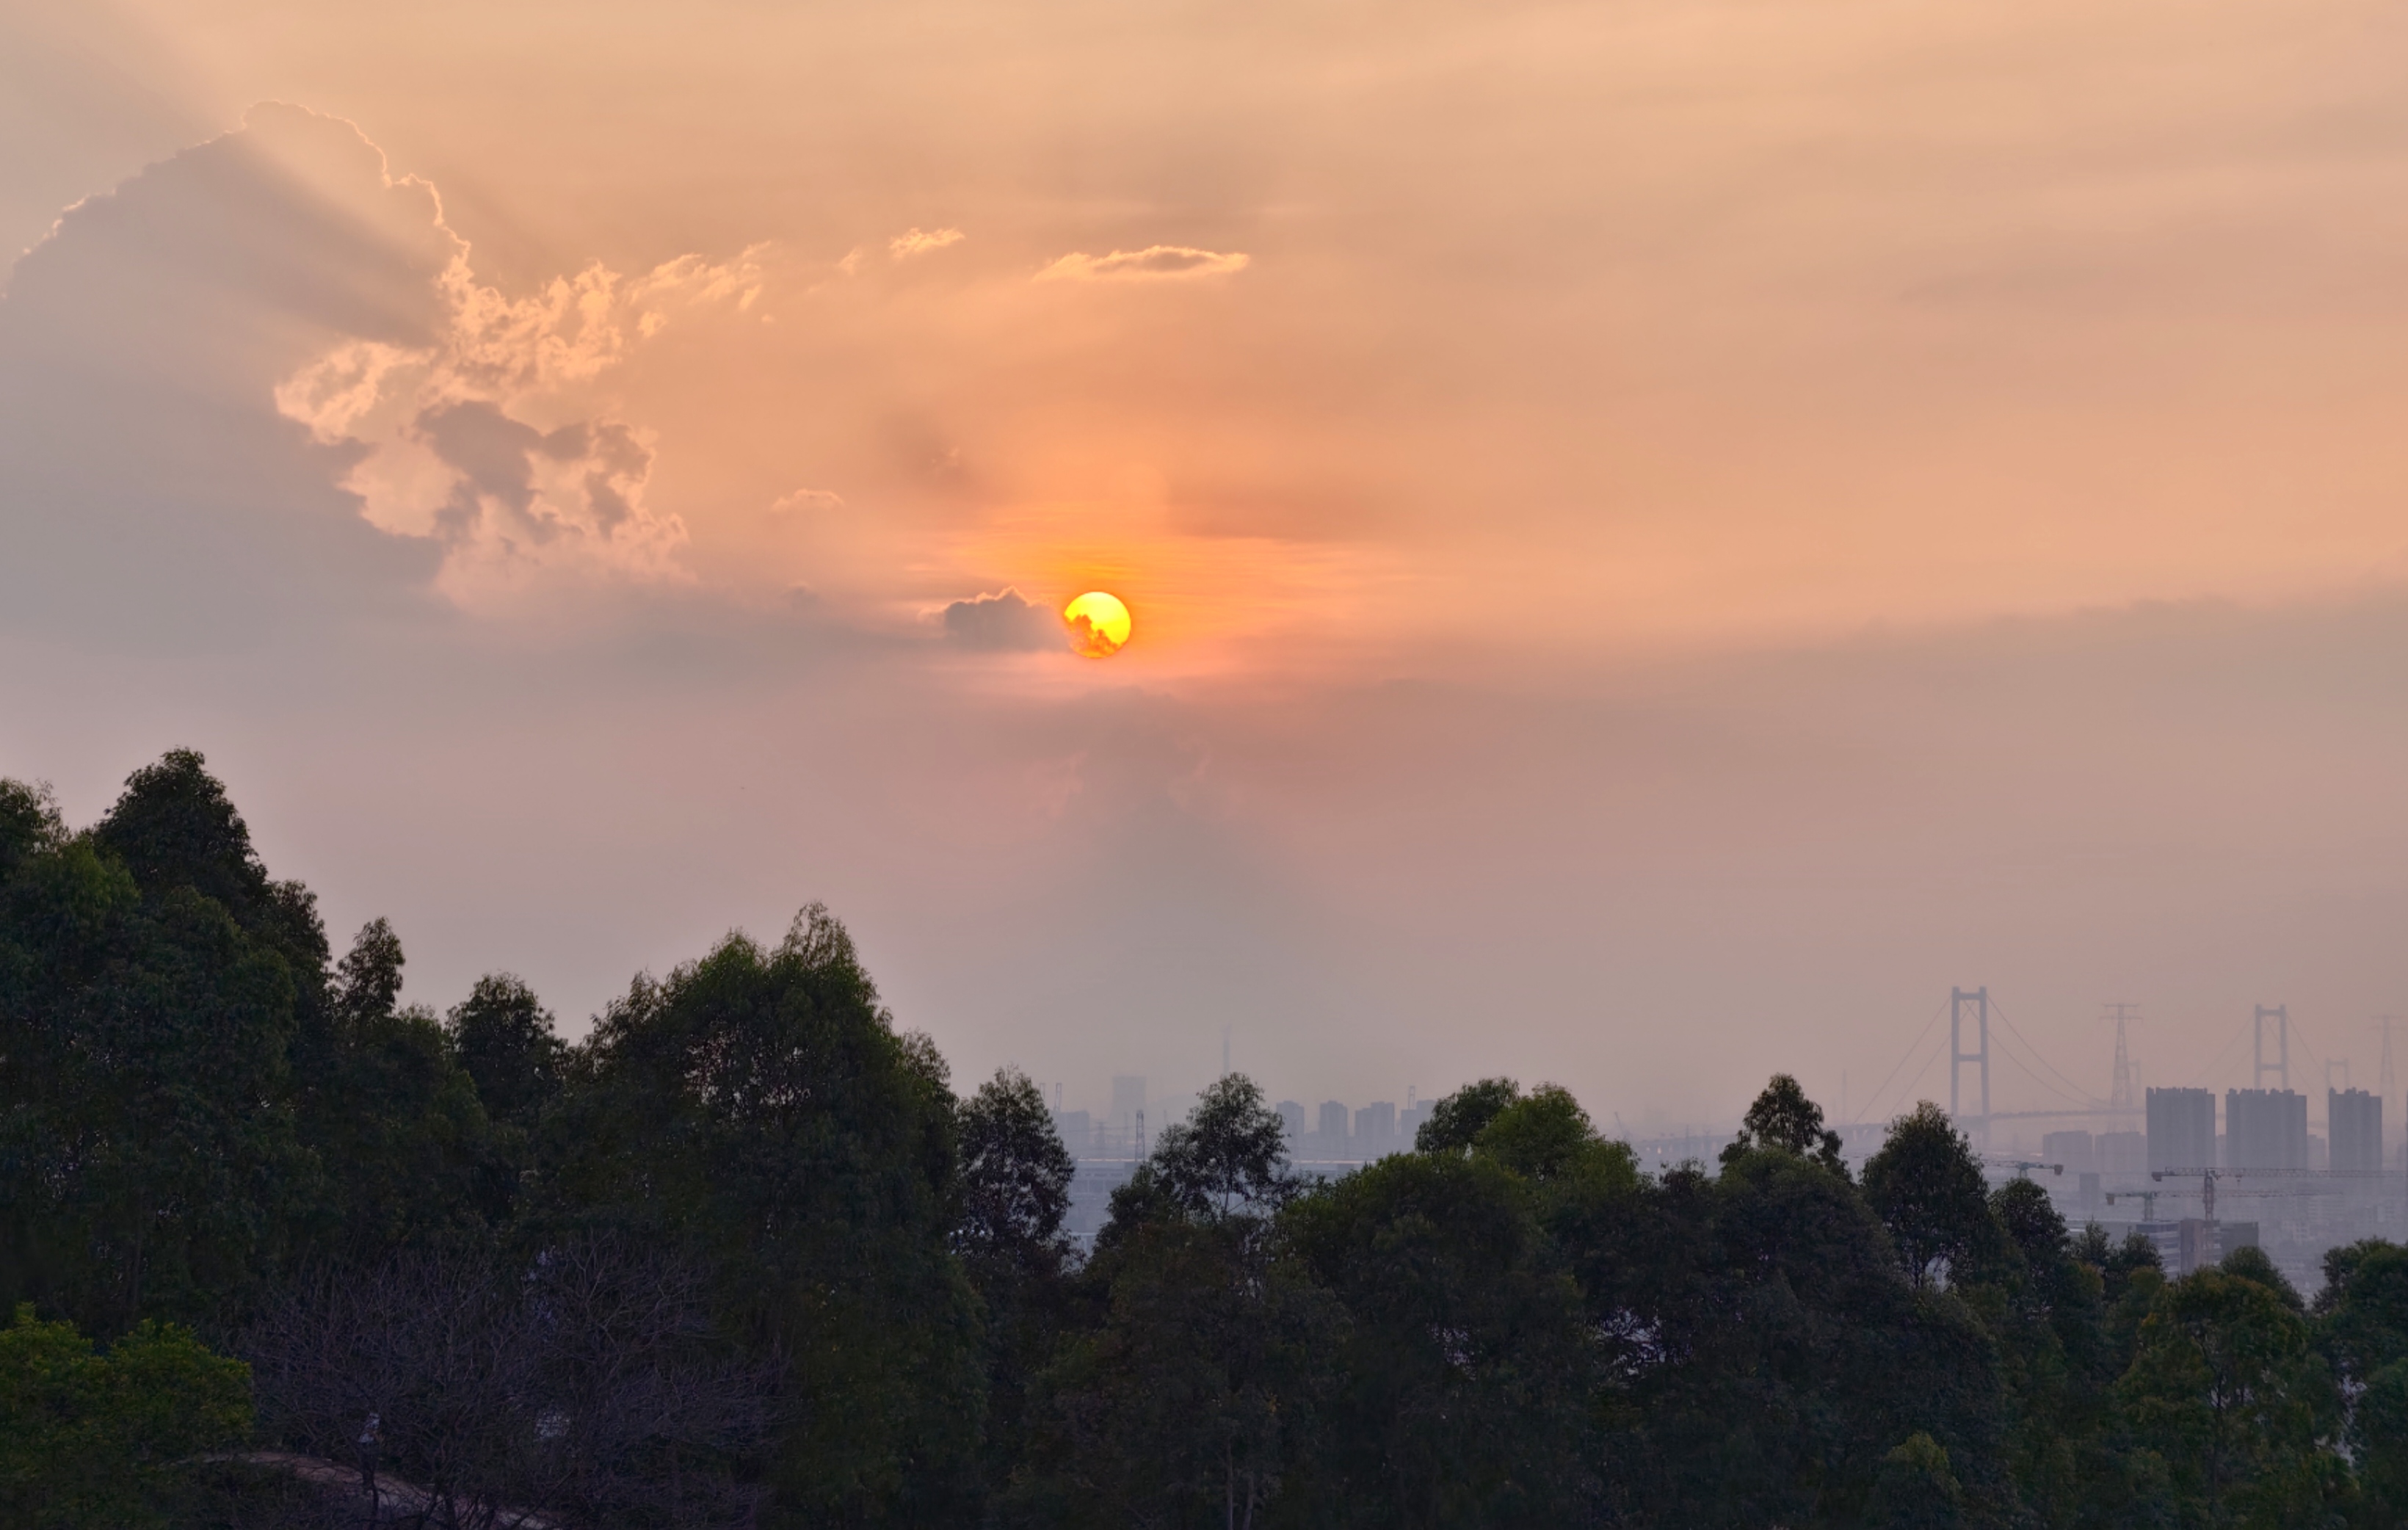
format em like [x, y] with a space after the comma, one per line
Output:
[153, 489]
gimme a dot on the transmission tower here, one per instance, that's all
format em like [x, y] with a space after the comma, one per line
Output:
[2281, 1065]
[1973, 1004]
[2120, 1093]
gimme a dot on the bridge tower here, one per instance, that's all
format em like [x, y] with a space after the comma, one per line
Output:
[1973, 1005]
[2280, 1066]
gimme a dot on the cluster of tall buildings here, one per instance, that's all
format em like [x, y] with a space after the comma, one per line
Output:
[2263, 1129]
[1334, 1135]
[1331, 1134]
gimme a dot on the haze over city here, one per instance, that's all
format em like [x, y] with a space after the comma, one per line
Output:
[1658, 538]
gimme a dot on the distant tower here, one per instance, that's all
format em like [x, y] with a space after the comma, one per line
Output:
[1225, 1051]
[2121, 1095]
[2280, 1067]
[1973, 1003]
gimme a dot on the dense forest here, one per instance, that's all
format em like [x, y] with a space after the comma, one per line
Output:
[744, 1256]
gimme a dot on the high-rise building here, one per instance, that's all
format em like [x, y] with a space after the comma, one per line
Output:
[1291, 1116]
[1332, 1135]
[2265, 1129]
[2182, 1128]
[1375, 1128]
[2357, 1120]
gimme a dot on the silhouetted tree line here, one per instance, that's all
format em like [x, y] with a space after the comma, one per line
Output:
[743, 1256]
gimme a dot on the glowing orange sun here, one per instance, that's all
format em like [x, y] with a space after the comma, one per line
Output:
[1098, 624]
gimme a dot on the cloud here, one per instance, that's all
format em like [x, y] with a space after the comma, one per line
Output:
[153, 487]
[914, 242]
[441, 445]
[1002, 624]
[1161, 261]
[808, 499]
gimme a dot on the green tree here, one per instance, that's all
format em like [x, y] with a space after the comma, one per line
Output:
[1917, 1489]
[1546, 1136]
[1462, 1116]
[152, 1162]
[2361, 1328]
[1014, 1191]
[1927, 1186]
[1784, 1119]
[1195, 1390]
[2045, 1309]
[505, 1040]
[2225, 1390]
[1016, 1174]
[156, 990]
[415, 1158]
[2378, 1440]
[100, 1439]
[1764, 1348]
[1230, 1154]
[758, 1108]
[1465, 1368]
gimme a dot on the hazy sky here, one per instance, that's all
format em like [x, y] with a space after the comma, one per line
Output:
[1663, 534]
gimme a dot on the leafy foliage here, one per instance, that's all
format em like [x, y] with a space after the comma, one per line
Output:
[1927, 1185]
[741, 1256]
[100, 1439]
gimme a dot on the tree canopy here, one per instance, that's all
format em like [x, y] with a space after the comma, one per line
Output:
[741, 1255]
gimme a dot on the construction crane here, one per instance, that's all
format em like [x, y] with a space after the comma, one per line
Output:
[2149, 1201]
[2023, 1166]
[2207, 1178]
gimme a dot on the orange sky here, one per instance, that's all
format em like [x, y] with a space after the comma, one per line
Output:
[1556, 357]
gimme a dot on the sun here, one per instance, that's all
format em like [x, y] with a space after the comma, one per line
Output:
[1098, 624]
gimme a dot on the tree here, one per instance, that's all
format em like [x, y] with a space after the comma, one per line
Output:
[1462, 1116]
[2227, 1391]
[1015, 1174]
[1546, 1136]
[174, 827]
[98, 1440]
[1465, 1367]
[503, 1038]
[1014, 1191]
[1783, 1120]
[2378, 1440]
[758, 1109]
[1763, 1349]
[1927, 1186]
[2044, 1309]
[1196, 1392]
[1228, 1157]
[153, 1166]
[413, 1148]
[1917, 1489]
